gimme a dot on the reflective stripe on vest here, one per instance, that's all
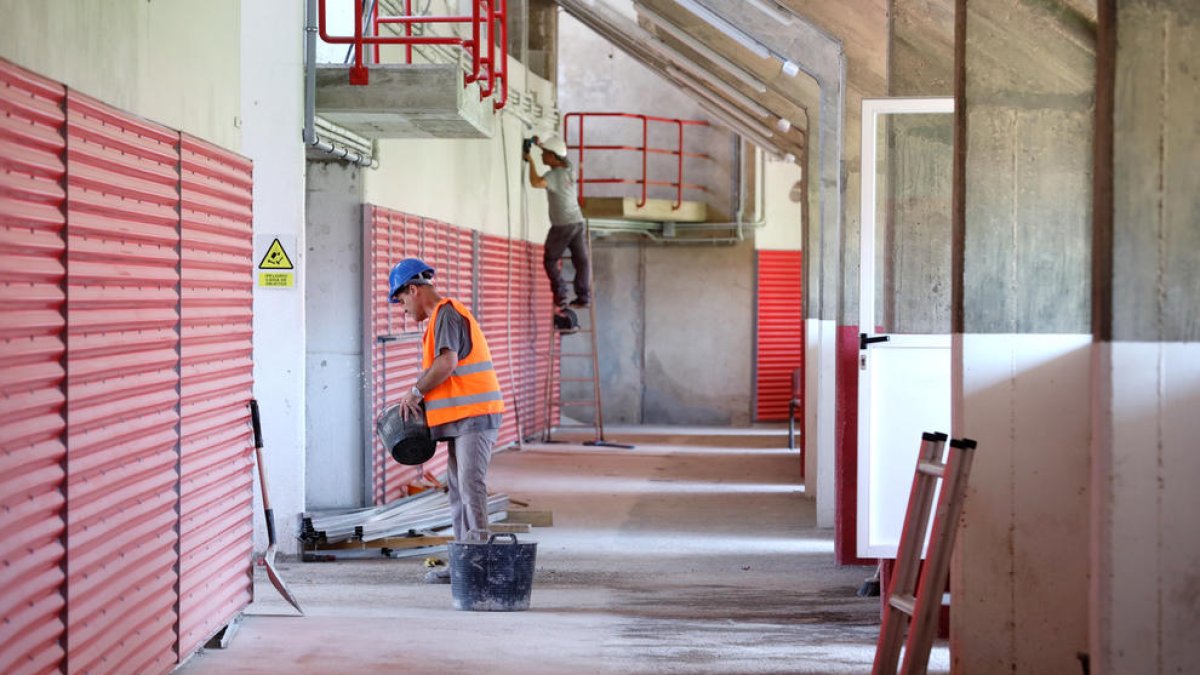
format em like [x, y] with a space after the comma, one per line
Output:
[462, 400]
[473, 388]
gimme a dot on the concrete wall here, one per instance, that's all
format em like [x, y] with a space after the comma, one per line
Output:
[921, 48]
[699, 319]
[668, 355]
[621, 309]
[171, 61]
[912, 242]
[1022, 242]
[1145, 552]
[334, 365]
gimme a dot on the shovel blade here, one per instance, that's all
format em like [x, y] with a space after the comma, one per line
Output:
[277, 581]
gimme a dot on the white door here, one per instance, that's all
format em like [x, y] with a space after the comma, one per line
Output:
[904, 318]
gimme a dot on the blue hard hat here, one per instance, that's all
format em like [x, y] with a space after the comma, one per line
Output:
[405, 271]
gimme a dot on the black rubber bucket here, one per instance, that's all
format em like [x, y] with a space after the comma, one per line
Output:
[492, 577]
[407, 440]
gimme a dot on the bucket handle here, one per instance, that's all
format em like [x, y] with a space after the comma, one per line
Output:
[510, 535]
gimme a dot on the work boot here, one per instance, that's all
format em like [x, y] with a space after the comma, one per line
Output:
[438, 575]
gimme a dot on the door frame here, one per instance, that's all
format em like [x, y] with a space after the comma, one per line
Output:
[872, 111]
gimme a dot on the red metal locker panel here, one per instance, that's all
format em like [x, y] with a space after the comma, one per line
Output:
[535, 300]
[32, 379]
[123, 390]
[498, 307]
[216, 533]
[780, 339]
[395, 363]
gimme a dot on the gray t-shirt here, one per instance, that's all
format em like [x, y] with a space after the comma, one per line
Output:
[454, 333]
[563, 196]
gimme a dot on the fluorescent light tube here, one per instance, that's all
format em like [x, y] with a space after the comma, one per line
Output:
[728, 29]
[772, 10]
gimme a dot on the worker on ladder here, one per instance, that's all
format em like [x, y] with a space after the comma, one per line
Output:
[567, 229]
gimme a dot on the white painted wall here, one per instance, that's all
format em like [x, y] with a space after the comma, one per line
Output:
[171, 61]
[821, 479]
[1145, 587]
[1020, 573]
[272, 114]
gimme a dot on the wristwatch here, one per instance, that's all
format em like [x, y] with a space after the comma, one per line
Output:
[416, 393]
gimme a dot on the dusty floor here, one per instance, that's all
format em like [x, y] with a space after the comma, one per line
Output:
[694, 552]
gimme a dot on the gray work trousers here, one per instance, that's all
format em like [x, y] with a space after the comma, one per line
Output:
[470, 455]
[558, 240]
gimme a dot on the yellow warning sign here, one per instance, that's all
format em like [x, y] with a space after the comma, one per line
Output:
[276, 279]
[275, 258]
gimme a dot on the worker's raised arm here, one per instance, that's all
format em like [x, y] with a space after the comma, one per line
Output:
[534, 179]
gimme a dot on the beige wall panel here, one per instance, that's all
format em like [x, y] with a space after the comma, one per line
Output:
[784, 228]
[176, 62]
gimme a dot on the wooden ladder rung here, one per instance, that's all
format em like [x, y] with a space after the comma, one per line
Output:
[904, 603]
[931, 468]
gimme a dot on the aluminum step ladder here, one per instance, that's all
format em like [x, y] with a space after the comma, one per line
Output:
[913, 603]
[580, 348]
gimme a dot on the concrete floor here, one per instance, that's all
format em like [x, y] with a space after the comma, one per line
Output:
[695, 552]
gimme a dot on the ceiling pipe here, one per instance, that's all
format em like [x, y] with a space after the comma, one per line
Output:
[734, 122]
[735, 96]
[772, 10]
[704, 50]
[728, 107]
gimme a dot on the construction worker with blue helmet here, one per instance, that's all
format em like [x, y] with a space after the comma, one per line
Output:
[457, 391]
[567, 229]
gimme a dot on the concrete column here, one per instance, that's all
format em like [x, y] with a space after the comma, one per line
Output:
[1145, 588]
[334, 456]
[1022, 254]
[272, 120]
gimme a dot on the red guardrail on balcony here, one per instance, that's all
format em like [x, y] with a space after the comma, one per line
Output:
[644, 148]
[488, 20]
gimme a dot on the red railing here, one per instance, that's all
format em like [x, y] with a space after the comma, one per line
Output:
[644, 148]
[488, 19]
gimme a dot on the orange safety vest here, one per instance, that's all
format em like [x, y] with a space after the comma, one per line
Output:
[473, 388]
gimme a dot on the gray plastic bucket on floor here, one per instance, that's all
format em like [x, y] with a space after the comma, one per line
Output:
[492, 577]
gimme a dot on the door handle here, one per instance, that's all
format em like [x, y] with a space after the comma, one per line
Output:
[863, 340]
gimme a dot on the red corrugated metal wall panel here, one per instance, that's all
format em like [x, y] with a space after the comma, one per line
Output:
[217, 377]
[780, 340]
[499, 278]
[32, 387]
[535, 328]
[397, 363]
[496, 290]
[123, 390]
